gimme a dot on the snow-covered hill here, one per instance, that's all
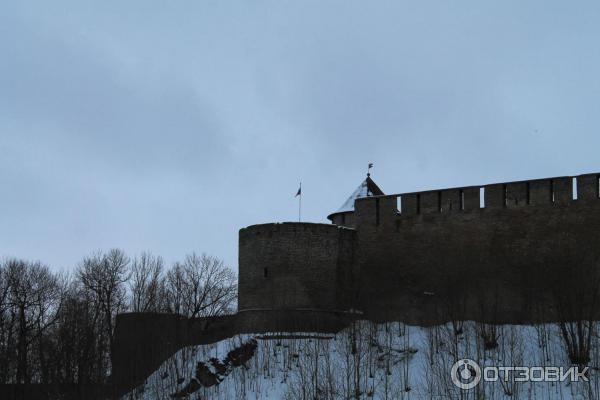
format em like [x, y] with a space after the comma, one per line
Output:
[368, 361]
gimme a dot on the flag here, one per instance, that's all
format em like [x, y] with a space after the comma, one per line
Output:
[370, 165]
[299, 191]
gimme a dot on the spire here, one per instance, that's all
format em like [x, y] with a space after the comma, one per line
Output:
[367, 188]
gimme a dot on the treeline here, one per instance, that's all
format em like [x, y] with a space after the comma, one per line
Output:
[57, 328]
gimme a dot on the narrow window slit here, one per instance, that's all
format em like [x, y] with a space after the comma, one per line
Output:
[481, 197]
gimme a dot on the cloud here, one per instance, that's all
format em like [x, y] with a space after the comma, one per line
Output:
[168, 127]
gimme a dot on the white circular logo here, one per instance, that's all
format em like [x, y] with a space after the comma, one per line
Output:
[465, 374]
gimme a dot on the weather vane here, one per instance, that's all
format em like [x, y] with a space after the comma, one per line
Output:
[369, 169]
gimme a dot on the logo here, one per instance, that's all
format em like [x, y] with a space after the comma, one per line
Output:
[466, 374]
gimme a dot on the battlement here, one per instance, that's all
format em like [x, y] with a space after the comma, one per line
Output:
[278, 228]
[502, 239]
[563, 190]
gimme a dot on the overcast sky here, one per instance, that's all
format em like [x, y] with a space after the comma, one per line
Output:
[168, 126]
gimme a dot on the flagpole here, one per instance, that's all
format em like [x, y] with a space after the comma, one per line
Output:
[300, 204]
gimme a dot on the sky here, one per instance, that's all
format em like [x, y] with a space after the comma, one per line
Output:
[168, 126]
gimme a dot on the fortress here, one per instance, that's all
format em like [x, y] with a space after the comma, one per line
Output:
[515, 252]
[481, 251]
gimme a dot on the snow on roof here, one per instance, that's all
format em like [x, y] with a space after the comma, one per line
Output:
[365, 189]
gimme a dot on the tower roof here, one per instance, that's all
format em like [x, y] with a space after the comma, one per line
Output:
[367, 188]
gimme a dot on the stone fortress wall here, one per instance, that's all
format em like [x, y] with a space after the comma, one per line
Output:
[496, 252]
[294, 266]
[411, 256]
[501, 253]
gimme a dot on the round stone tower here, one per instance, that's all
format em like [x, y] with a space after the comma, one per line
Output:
[293, 265]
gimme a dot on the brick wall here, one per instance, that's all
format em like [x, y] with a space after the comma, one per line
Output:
[496, 260]
[294, 265]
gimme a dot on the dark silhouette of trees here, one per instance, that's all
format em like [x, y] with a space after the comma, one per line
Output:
[209, 288]
[147, 284]
[103, 277]
[201, 286]
[576, 295]
[30, 297]
[58, 329]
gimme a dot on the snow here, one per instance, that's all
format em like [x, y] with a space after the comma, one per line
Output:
[361, 191]
[375, 361]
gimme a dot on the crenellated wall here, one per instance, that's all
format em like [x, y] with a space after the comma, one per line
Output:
[493, 252]
[558, 190]
[491, 248]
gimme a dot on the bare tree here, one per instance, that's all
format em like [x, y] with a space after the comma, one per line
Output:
[576, 292]
[201, 286]
[56, 328]
[104, 277]
[147, 283]
[32, 298]
[78, 351]
[174, 287]
[6, 326]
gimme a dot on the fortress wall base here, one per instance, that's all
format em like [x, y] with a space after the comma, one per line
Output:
[489, 264]
[143, 341]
